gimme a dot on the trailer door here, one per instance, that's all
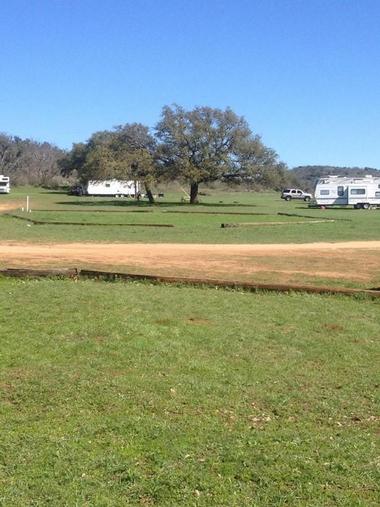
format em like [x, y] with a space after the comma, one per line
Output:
[342, 193]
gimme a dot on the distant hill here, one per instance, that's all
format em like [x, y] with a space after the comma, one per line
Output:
[306, 175]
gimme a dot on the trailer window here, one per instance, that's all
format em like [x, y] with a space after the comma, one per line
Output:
[377, 195]
[340, 191]
[108, 184]
[357, 191]
[3, 183]
[324, 192]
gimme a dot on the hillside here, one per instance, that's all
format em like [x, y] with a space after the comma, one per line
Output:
[307, 175]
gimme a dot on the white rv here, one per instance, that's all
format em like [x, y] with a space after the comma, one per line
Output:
[4, 184]
[345, 191]
[116, 188]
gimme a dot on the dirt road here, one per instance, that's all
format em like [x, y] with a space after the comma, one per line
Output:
[357, 261]
[121, 251]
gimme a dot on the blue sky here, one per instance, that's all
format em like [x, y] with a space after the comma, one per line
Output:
[304, 73]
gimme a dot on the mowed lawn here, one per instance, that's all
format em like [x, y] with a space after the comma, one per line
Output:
[134, 394]
[106, 219]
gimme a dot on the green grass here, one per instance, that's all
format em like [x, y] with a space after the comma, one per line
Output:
[132, 394]
[194, 227]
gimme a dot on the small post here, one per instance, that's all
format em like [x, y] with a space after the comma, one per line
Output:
[27, 204]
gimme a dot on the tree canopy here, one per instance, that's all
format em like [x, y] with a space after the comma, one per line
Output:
[205, 144]
[195, 146]
[126, 152]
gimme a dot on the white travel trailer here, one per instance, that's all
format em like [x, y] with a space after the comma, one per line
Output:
[345, 191]
[4, 184]
[116, 188]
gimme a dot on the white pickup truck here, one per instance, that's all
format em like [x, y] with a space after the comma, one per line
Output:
[295, 193]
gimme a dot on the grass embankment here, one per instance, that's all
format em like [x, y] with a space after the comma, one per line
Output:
[134, 394]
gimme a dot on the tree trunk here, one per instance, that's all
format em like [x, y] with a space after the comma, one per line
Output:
[149, 193]
[194, 192]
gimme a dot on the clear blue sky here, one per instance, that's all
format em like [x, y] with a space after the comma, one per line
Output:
[304, 73]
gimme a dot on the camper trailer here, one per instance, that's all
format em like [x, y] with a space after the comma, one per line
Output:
[346, 191]
[4, 184]
[116, 188]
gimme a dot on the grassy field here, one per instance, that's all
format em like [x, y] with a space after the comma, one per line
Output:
[263, 218]
[131, 394]
[192, 224]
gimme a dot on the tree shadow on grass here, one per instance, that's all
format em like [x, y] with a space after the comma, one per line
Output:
[56, 192]
[164, 204]
[328, 208]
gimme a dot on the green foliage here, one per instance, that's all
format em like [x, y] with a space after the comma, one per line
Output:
[207, 144]
[127, 153]
[256, 166]
[136, 149]
[131, 394]
[198, 146]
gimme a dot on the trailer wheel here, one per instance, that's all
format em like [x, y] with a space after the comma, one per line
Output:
[366, 205]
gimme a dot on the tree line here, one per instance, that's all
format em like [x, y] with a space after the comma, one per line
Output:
[197, 146]
[29, 162]
[202, 145]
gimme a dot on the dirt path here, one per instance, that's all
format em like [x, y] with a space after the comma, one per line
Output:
[353, 260]
[8, 206]
[118, 252]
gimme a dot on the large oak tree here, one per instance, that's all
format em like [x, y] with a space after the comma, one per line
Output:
[202, 145]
